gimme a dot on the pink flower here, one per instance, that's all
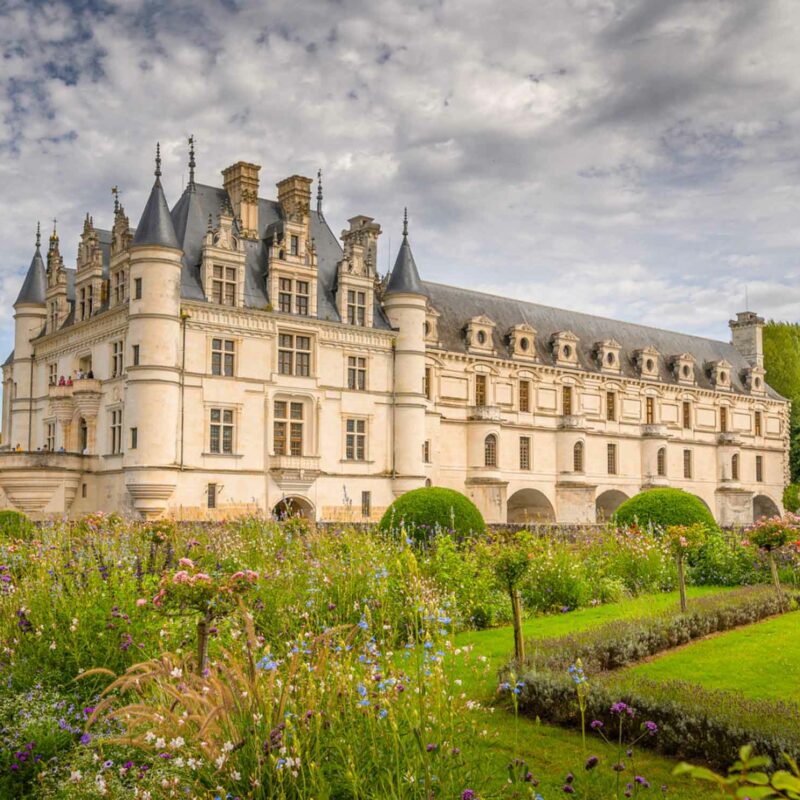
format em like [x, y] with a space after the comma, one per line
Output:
[201, 577]
[186, 562]
[141, 602]
[181, 577]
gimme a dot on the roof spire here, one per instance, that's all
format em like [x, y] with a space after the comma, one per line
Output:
[319, 191]
[54, 235]
[115, 192]
[34, 287]
[192, 164]
[38, 235]
[156, 226]
[158, 160]
[405, 222]
[404, 277]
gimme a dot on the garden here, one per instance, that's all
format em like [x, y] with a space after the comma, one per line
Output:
[420, 659]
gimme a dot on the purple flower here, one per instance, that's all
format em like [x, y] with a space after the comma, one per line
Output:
[651, 727]
[86, 738]
[567, 789]
[642, 781]
[619, 708]
[592, 762]
[570, 777]
[432, 748]
[468, 794]
[596, 725]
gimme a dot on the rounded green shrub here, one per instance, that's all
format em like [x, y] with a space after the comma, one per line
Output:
[15, 525]
[660, 508]
[791, 497]
[424, 512]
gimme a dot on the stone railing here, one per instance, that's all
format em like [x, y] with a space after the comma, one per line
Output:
[652, 430]
[572, 422]
[486, 413]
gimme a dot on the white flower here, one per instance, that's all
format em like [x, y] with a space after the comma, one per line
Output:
[177, 742]
[227, 747]
[160, 744]
[236, 775]
[220, 760]
[52, 645]
[177, 672]
[75, 776]
[149, 736]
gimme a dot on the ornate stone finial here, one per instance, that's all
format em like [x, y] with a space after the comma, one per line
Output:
[209, 228]
[38, 235]
[54, 234]
[319, 191]
[115, 192]
[192, 164]
[405, 222]
[158, 160]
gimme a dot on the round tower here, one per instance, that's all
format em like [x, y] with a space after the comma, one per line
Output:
[30, 315]
[405, 302]
[152, 394]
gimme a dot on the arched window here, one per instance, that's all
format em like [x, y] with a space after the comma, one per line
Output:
[577, 457]
[490, 451]
[735, 467]
[661, 461]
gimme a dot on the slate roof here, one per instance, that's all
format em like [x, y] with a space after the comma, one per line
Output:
[34, 286]
[457, 306]
[404, 277]
[155, 227]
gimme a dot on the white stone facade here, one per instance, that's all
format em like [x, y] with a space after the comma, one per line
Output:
[250, 363]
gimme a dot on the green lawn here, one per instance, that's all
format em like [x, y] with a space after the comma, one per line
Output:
[761, 661]
[550, 751]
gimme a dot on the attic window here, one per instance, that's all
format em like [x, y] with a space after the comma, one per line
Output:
[481, 337]
[723, 377]
[567, 351]
[685, 370]
[757, 383]
[524, 343]
[650, 364]
[610, 359]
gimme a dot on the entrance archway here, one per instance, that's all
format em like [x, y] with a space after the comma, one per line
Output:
[764, 506]
[293, 507]
[607, 503]
[529, 505]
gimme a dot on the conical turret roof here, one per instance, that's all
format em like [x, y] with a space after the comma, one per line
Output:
[404, 278]
[34, 287]
[155, 227]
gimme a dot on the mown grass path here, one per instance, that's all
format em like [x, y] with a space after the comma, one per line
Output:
[761, 661]
[551, 752]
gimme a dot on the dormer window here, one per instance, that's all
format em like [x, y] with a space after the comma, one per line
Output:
[431, 325]
[647, 362]
[479, 334]
[522, 342]
[223, 285]
[754, 379]
[683, 368]
[720, 373]
[565, 348]
[294, 245]
[608, 355]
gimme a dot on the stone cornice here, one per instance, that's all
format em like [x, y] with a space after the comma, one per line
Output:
[101, 327]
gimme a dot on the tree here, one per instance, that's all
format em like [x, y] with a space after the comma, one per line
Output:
[781, 357]
[510, 567]
[682, 539]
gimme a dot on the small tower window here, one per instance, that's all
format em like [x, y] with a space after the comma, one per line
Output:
[687, 463]
[612, 459]
[577, 457]
[759, 468]
[294, 245]
[490, 451]
[661, 461]
[137, 288]
[525, 452]
[735, 467]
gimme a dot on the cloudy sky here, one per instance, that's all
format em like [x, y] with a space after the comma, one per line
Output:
[632, 158]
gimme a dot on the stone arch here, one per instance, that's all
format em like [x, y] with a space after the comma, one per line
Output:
[764, 506]
[293, 506]
[490, 450]
[607, 503]
[529, 505]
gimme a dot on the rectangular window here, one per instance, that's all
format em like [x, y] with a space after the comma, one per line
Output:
[134, 438]
[52, 373]
[687, 463]
[366, 504]
[221, 431]
[212, 495]
[285, 295]
[223, 285]
[524, 395]
[525, 452]
[294, 355]
[612, 459]
[50, 436]
[426, 451]
[137, 288]
[356, 307]
[355, 439]
[687, 414]
[759, 468]
[89, 301]
[53, 315]
[82, 304]
[301, 297]
[611, 406]
[288, 428]
[222, 355]
[117, 358]
[480, 390]
[566, 400]
[723, 419]
[757, 423]
[294, 245]
[356, 373]
[426, 383]
[116, 431]
[119, 287]
[650, 410]
[136, 355]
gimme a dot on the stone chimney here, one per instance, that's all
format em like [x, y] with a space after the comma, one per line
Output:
[294, 196]
[747, 336]
[361, 245]
[241, 184]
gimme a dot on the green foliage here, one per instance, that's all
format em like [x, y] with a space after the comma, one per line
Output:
[15, 525]
[422, 513]
[511, 564]
[684, 538]
[781, 356]
[791, 497]
[723, 560]
[772, 534]
[659, 508]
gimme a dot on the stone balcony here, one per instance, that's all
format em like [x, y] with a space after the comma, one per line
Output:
[484, 413]
[652, 430]
[728, 438]
[41, 482]
[572, 422]
[294, 472]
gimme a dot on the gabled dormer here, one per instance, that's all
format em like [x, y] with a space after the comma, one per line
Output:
[564, 346]
[89, 285]
[683, 368]
[479, 333]
[355, 273]
[607, 353]
[647, 363]
[754, 379]
[57, 304]
[720, 374]
[522, 342]
[222, 262]
[292, 279]
[431, 325]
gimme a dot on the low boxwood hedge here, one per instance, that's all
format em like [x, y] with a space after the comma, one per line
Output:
[660, 508]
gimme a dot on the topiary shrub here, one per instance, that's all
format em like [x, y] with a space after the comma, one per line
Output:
[660, 508]
[15, 525]
[791, 497]
[423, 512]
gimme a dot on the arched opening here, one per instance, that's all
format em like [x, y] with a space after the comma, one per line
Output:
[764, 506]
[607, 503]
[490, 451]
[577, 457]
[293, 507]
[83, 436]
[661, 462]
[735, 467]
[529, 505]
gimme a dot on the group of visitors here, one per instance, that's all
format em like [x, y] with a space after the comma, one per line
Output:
[77, 375]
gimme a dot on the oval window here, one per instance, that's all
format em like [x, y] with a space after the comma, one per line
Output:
[757, 382]
[649, 364]
[523, 344]
[685, 370]
[610, 359]
[723, 377]
[567, 351]
[481, 337]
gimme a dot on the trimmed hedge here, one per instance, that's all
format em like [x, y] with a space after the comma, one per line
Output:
[424, 512]
[660, 508]
[15, 525]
